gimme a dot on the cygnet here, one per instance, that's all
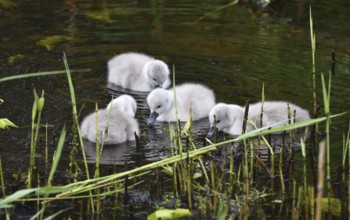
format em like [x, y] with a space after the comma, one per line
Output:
[138, 72]
[190, 97]
[116, 123]
[229, 118]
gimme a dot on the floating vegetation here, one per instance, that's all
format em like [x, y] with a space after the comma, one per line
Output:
[50, 42]
[101, 16]
[14, 58]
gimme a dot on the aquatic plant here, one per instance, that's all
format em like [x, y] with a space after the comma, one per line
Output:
[226, 179]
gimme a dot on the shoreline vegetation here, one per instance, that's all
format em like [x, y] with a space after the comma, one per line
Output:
[224, 188]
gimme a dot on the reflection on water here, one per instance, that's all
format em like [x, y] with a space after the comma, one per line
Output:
[232, 51]
[118, 154]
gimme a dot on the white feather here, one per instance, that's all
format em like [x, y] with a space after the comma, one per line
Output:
[190, 97]
[138, 71]
[229, 118]
[115, 125]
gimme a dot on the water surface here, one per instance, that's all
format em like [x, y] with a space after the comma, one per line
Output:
[233, 51]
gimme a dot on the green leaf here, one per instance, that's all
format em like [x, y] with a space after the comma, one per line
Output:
[169, 214]
[197, 175]
[51, 190]
[15, 196]
[325, 96]
[5, 123]
[57, 154]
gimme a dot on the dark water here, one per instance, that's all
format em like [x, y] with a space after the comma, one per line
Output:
[233, 51]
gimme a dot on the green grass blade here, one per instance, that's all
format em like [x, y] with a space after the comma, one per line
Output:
[48, 73]
[325, 96]
[53, 216]
[57, 155]
[15, 196]
[75, 115]
[265, 130]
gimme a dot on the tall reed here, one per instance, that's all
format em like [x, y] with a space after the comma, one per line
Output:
[38, 106]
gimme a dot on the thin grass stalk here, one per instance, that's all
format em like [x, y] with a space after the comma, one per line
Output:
[261, 119]
[312, 201]
[107, 193]
[215, 10]
[251, 161]
[281, 169]
[57, 155]
[301, 199]
[28, 75]
[213, 186]
[46, 150]
[38, 214]
[97, 148]
[346, 143]
[177, 115]
[348, 140]
[326, 100]
[3, 189]
[178, 143]
[74, 111]
[232, 171]
[75, 119]
[305, 188]
[313, 72]
[313, 49]
[36, 114]
[245, 207]
[189, 183]
[295, 214]
[322, 151]
[175, 181]
[38, 201]
[97, 159]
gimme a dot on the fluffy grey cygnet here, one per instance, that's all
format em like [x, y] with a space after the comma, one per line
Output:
[189, 96]
[138, 72]
[116, 123]
[229, 118]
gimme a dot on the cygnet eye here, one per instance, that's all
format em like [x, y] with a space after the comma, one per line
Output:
[159, 106]
[218, 121]
[154, 79]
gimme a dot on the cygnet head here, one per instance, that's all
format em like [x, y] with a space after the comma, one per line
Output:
[156, 73]
[159, 102]
[125, 103]
[225, 117]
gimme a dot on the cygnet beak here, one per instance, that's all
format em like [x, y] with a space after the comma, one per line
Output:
[211, 132]
[152, 118]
